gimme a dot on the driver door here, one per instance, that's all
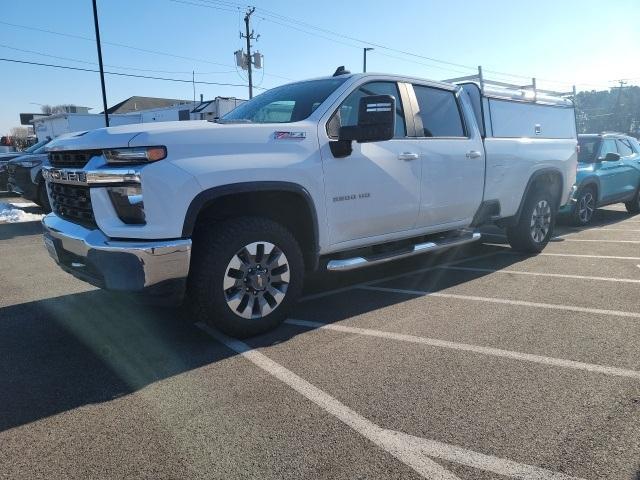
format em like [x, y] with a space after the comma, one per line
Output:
[375, 190]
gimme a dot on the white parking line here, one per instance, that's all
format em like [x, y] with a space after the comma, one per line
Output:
[507, 251]
[565, 239]
[315, 296]
[539, 274]
[600, 229]
[415, 452]
[496, 352]
[503, 301]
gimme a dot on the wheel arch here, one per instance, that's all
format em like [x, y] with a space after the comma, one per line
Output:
[285, 202]
[540, 177]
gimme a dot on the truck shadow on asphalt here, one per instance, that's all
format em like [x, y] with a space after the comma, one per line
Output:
[61, 353]
[15, 230]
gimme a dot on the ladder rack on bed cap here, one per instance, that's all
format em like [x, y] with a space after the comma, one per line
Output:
[502, 89]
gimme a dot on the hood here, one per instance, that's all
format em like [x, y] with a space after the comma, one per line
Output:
[30, 156]
[4, 157]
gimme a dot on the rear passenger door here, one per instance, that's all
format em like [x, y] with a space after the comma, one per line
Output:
[452, 154]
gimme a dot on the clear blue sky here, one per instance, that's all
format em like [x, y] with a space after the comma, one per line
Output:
[589, 43]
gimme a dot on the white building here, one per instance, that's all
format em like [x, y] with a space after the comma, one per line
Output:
[61, 123]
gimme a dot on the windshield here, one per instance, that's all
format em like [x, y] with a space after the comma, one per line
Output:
[588, 149]
[288, 103]
[37, 147]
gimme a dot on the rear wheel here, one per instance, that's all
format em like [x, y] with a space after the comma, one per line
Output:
[535, 225]
[634, 205]
[585, 206]
[246, 275]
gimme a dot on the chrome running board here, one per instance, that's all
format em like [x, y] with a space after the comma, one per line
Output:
[346, 264]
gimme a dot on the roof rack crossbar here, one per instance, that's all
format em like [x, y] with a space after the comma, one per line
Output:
[483, 82]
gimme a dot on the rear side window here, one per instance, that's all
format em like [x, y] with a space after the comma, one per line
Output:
[608, 146]
[347, 113]
[439, 112]
[624, 148]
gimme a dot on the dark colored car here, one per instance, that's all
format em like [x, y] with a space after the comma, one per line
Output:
[25, 178]
[6, 157]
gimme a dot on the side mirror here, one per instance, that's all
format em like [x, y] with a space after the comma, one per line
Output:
[376, 120]
[612, 157]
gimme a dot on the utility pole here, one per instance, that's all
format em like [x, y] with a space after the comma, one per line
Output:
[364, 60]
[249, 36]
[619, 125]
[104, 92]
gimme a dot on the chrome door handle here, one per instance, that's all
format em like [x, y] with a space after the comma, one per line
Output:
[473, 154]
[408, 156]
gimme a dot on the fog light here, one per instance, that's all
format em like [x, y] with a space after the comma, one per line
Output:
[128, 204]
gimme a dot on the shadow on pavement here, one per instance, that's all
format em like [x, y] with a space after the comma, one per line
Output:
[14, 230]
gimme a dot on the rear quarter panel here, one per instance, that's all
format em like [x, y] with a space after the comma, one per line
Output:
[511, 162]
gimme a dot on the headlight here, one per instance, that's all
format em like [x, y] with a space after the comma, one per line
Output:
[135, 155]
[29, 163]
[128, 204]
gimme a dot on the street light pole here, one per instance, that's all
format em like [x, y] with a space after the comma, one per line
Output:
[364, 60]
[104, 93]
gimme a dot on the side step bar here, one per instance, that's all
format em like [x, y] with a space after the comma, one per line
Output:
[346, 264]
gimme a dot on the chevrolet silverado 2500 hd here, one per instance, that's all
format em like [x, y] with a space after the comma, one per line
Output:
[340, 172]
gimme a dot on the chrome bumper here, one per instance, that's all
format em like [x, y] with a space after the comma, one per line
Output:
[127, 265]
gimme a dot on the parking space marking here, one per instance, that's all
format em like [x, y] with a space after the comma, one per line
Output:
[315, 296]
[578, 255]
[415, 452]
[495, 352]
[503, 301]
[565, 239]
[539, 274]
[507, 251]
[600, 229]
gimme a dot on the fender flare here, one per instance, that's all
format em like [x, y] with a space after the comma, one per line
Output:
[591, 180]
[537, 174]
[205, 197]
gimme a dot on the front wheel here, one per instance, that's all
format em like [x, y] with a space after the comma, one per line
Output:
[43, 198]
[246, 274]
[535, 225]
[585, 207]
[633, 206]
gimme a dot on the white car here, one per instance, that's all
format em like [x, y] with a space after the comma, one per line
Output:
[338, 172]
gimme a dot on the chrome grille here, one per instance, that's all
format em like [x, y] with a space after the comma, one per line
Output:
[73, 158]
[72, 202]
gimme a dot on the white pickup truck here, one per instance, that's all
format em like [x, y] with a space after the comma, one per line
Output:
[338, 172]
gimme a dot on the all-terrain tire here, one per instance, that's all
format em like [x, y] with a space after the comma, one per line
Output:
[633, 206]
[216, 248]
[43, 198]
[535, 225]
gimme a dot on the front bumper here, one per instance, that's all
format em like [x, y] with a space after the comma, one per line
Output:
[568, 207]
[154, 267]
[20, 182]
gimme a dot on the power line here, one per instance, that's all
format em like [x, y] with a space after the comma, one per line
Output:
[130, 47]
[67, 67]
[35, 52]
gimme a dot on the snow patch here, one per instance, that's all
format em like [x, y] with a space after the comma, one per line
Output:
[10, 214]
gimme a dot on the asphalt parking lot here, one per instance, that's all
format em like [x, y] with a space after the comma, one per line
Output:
[474, 364]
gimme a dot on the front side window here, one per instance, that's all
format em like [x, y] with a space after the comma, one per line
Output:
[347, 113]
[588, 149]
[624, 149]
[608, 146]
[439, 112]
[288, 103]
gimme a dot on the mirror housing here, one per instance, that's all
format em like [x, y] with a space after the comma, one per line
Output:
[612, 157]
[376, 120]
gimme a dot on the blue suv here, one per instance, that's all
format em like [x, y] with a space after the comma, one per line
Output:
[608, 172]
